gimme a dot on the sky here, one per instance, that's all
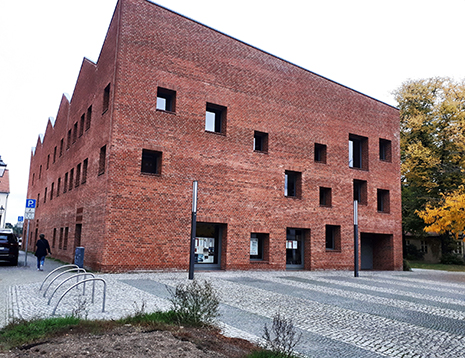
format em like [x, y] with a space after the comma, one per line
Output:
[369, 46]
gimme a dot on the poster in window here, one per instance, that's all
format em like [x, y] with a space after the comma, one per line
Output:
[205, 250]
[253, 246]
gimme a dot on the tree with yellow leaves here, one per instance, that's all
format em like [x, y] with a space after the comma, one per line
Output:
[448, 217]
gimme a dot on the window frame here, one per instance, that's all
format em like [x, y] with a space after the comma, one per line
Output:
[293, 180]
[320, 153]
[383, 201]
[333, 237]
[148, 158]
[385, 150]
[260, 142]
[220, 115]
[325, 197]
[169, 96]
[358, 152]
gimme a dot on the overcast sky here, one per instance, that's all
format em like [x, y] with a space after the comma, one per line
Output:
[370, 46]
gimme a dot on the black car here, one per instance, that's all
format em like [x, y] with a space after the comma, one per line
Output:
[9, 248]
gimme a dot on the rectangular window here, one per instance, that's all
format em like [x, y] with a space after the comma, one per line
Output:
[65, 239]
[54, 237]
[69, 140]
[52, 190]
[151, 162]
[166, 99]
[333, 237]
[45, 195]
[423, 247]
[106, 99]
[54, 154]
[292, 183]
[75, 132]
[215, 118]
[48, 161]
[385, 150]
[60, 241]
[84, 171]
[102, 158]
[325, 196]
[38, 200]
[58, 186]
[40, 172]
[260, 141]
[383, 201]
[360, 191]
[78, 175]
[320, 153]
[88, 117]
[81, 125]
[259, 246]
[358, 152]
[61, 146]
[65, 183]
[33, 178]
[71, 179]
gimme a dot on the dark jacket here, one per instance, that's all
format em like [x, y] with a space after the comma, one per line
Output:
[42, 247]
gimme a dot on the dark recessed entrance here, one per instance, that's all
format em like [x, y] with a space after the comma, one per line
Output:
[208, 246]
[376, 251]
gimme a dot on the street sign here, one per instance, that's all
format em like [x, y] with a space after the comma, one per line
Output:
[30, 203]
[29, 216]
[30, 209]
[20, 219]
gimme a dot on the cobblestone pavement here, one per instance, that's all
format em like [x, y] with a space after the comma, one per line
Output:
[379, 314]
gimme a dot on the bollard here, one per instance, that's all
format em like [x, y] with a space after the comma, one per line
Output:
[79, 257]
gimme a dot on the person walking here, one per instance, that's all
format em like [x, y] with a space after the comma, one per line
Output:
[42, 247]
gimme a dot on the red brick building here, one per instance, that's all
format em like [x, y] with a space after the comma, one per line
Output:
[279, 154]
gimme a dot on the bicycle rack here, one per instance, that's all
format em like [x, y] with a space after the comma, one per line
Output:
[71, 277]
[58, 268]
[78, 269]
[84, 281]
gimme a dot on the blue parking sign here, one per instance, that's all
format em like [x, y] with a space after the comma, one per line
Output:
[20, 219]
[30, 203]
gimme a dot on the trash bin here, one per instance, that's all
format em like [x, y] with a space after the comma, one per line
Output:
[79, 257]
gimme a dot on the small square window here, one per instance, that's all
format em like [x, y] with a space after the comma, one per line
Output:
[260, 142]
[166, 99]
[151, 162]
[385, 150]
[358, 152]
[292, 184]
[259, 246]
[360, 191]
[383, 201]
[320, 153]
[333, 237]
[325, 196]
[215, 118]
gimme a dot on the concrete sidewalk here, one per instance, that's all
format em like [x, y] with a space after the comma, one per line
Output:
[380, 314]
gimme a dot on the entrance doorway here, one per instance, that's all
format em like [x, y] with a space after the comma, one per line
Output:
[208, 246]
[294, 249]
[376, 252]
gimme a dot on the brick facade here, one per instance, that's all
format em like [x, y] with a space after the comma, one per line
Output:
[133, 210]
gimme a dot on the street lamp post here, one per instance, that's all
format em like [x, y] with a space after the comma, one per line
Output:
[193, 230]
[355, 238]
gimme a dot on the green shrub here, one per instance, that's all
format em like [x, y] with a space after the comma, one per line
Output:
[407, 266]
[194, 303]
[451, 259]
[282, 339]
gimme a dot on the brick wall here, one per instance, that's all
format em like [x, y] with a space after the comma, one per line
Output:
[133, 220]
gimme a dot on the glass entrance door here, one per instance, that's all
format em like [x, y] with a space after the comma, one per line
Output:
[294, 249]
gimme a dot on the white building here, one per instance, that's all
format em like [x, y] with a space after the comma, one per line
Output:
[4, 191]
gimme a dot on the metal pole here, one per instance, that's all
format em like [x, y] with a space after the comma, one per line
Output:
[27, 241]
[193, 230]
[355, 238]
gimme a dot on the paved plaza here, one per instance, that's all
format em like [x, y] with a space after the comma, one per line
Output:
[379, 314]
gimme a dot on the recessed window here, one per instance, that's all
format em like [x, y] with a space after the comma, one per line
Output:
[48, 161]
[84, 170]
[71, 179]
[106, 99]
[215, 118]
[320, 153]
[385, 150]
[61, 146]
[54, 237]
[88, 117]
[40, 172]
[333, 237]
[54, 154]
[358, 152]
[65, 183]
[325, 196]
[60, 241]
[78, 175]
[102, 159]
[292, 183]
[69, 140]
[383, 201]
[58, 186]
[75, 132]
[260, 141]
[65, 241]
[360, 191]
[166, 99]
[259, 246]
[151, 162]
[38, 200]
[81, 125]
[52, 189]
[45, 195]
